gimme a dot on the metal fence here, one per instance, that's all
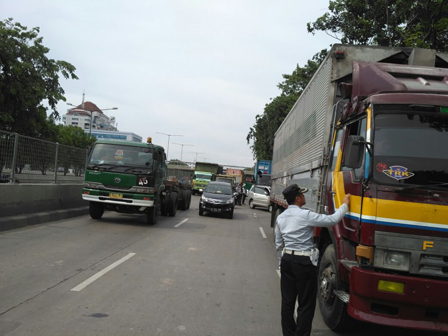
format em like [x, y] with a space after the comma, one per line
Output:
[30, 160]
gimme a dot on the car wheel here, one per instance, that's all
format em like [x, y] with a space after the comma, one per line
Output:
[270, 208]
[251, 204]
[96, 210]
[201, 212]
[230, 215]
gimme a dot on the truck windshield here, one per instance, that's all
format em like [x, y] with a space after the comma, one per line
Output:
[112, 154]
[203, 177]
[411, 149]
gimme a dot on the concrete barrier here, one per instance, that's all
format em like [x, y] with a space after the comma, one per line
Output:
[30, 204]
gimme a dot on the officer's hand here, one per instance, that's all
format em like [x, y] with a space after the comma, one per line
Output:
[346, 200]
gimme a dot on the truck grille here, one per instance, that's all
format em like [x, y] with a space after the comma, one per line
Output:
[435, 265]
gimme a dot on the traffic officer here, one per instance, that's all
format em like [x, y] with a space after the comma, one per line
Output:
[294, 235]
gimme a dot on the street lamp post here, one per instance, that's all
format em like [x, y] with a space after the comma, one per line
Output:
[196, 159]
[182, 150]
[169, 136]
[91, 114]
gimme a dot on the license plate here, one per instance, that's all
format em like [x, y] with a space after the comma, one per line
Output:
[216, 210]
[120, 196]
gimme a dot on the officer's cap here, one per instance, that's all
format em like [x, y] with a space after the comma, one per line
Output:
[293, 190]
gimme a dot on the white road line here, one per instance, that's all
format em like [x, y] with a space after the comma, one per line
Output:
[177, 225]
[255, 215]
[98, 275]
[262, 232]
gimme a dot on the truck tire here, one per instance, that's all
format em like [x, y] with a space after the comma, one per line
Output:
[189, 199]
[152, 214]
[332, 308]
[182, 204]
[96, 210]
[172, 204]
[163, 206]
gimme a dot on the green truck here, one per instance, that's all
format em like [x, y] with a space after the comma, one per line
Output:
[131, 177]
[204, 172]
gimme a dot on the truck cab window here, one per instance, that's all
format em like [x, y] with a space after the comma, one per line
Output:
[337, 146]
[359, 127]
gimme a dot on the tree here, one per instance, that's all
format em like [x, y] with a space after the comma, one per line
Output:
[27, 79]
[73, 142]
[263, 131]
[404, 23]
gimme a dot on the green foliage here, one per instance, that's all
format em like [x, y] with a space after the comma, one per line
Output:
[263, 131]
[411, 23]
[27, 79]
[177, 162]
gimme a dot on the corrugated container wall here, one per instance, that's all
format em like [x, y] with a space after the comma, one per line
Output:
[299, 140]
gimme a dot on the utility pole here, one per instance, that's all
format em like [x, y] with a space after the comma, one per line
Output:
[182, 150]
[196, 159]
[169, 136]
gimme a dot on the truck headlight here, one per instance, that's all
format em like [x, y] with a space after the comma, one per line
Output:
[92, 185]
[394, 260]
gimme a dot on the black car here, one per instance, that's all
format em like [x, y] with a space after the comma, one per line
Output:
[217, 198]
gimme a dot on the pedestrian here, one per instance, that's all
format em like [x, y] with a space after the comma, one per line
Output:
[294, 237]
[244, 193]
[239, 190]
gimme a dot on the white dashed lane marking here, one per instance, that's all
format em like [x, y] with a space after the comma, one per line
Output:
[262, 232]
[98, 275]
[177, 225]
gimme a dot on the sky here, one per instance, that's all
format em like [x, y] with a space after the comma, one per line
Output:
[202, 69]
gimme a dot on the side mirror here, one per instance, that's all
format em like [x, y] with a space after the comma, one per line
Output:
[354, 151]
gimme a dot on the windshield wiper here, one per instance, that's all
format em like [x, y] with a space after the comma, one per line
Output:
[423, 186]
[134, 170]
[101, 165]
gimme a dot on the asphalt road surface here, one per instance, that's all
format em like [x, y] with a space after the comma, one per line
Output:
[187, 275]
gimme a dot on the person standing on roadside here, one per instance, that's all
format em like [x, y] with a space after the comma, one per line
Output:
[244, 192]
[294, 230]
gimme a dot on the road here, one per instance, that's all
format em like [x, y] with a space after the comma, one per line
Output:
[187, 275]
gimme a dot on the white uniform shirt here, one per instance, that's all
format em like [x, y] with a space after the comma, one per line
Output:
[295, 227]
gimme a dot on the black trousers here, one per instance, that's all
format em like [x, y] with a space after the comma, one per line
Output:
[298, 282]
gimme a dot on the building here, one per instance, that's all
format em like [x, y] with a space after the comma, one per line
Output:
[116, 135]
[103, 127]
[81, 116]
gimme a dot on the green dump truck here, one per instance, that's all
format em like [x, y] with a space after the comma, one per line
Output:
[204, 172]
[131, 177]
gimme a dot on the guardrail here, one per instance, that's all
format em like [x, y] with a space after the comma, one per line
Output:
[29, 160]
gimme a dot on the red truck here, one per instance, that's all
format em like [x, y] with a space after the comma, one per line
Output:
[373, 122]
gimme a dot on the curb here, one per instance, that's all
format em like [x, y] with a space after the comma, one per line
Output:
[17, 222]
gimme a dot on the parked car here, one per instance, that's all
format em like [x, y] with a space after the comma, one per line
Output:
[217, 198]
[259, 196]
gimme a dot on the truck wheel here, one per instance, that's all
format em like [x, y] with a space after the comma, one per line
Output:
[182, 204]
[152, 214]
[163, 207]
[96, 210]
[193, 192]
[172, 204]
[333, 309]
[189, 199]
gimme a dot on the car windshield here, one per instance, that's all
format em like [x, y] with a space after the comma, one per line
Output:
[218, 189]
[111, 154]
[410, 149]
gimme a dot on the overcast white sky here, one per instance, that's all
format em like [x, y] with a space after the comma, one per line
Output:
[201, 69]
